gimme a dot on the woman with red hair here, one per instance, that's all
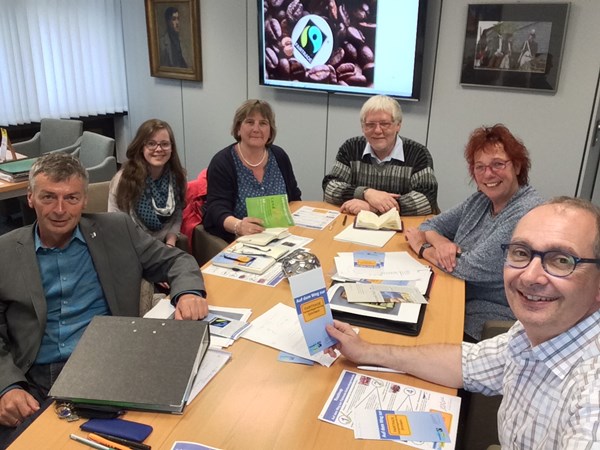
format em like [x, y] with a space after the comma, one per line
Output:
[465, 240]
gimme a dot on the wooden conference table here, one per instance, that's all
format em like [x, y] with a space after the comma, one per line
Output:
[257, 402]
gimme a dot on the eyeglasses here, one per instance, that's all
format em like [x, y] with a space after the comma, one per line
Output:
[152, 145]
[495, 166]
[555, 262]
[261, 123]
[372, 126]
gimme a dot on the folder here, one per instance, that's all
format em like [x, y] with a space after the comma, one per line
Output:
[17, 170]
[135, 363]
[355, 314]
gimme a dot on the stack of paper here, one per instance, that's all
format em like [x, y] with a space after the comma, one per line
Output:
[398, 268]
[387, 293]
[272, 276]
[354, 393]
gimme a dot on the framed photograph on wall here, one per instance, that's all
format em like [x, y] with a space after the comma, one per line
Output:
[514, 45]
[174, 39]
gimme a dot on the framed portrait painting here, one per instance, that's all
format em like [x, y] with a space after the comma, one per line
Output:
[174, 39]
[516, 46]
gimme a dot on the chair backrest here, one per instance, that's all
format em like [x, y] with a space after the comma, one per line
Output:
[95, 148]
[97, 197]
[59, 133]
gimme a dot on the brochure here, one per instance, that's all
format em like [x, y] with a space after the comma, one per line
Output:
[312, 307]
[382, 294]
[394, 311]
[273, 210]
[354, 391]
[247, 263]
[315, 218]
[421, 426]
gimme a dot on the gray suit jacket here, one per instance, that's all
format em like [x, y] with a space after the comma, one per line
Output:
[122, 255]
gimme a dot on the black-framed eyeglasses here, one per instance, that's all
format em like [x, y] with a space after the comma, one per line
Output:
[555, 262]
[153, 145]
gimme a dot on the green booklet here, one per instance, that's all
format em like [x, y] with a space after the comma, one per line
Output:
[274, 210]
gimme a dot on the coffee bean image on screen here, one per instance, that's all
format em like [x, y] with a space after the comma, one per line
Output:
[334, 44]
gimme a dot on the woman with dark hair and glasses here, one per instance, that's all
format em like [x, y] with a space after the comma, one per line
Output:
[151, 185]
[250, 167]
[466, 240]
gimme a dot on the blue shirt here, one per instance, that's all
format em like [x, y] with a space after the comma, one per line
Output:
[248, 186]
[73, 296]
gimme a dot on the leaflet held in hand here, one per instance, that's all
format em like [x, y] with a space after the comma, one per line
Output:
[312, 307]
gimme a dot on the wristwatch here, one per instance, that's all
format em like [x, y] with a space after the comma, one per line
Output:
[422, 249]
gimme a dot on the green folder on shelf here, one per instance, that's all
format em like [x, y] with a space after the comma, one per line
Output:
[273, 210]
[16, 170]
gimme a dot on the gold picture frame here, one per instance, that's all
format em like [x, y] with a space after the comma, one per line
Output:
[174, 43]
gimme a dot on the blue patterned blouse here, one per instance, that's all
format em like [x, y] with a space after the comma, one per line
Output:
[248, 185]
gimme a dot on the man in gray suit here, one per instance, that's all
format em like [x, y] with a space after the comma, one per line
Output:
[65, 269]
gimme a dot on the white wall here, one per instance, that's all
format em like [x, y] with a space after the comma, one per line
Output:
[553, 127]
[311, 126]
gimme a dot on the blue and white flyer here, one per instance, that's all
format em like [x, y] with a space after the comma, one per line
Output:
[385, 425]
[312, 307]
[355, 391]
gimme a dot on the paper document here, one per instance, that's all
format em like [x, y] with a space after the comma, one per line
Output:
[382, 293]
[316, 218]
[279, 328]
[213, 362]
[354, 391]
[394, 311]
[270, 278]
[374, 238]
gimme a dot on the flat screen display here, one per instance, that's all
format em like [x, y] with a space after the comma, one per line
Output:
[345, 46]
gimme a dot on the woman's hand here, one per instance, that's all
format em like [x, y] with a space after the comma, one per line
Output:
[446, 254]
[416, 238]
[249, 225]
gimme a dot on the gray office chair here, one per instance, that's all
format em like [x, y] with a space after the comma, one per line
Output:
[205, 245]
[55, 135]
[96, 154]
[97, 197]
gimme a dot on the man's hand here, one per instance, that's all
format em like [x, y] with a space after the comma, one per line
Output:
[191, 307]
[349, 343]
[15, 406]
[354, 206]
[381, 201]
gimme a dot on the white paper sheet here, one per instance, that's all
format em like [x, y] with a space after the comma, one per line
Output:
[279, 328]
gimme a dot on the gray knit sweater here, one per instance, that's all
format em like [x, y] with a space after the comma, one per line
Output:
[412, 178]
[471, 226]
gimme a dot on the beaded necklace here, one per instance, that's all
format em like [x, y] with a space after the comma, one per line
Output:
[248, 162]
